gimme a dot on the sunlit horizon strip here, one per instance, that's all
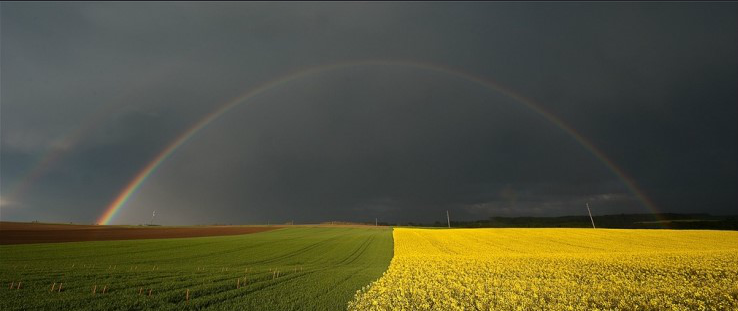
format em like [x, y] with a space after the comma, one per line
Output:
[131, 188]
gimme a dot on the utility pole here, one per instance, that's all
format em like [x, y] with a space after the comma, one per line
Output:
[151, 222]
[448, 219]
[590, 216]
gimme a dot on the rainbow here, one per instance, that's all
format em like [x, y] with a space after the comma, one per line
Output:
[131, 188]
[49, 158]
[96, 119]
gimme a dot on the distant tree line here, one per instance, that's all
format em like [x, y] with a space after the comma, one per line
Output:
[621, 221]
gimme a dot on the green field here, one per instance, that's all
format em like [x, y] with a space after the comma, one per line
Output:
[287, 269]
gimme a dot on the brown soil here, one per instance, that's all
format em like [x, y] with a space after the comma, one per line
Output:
[25, 233]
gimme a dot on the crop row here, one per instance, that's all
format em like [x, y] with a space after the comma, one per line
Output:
[288, 269]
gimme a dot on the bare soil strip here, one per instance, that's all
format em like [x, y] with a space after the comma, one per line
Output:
[27, 233]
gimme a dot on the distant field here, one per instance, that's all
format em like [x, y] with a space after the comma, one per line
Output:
[557, 269]
[27, 233]
[287, 269]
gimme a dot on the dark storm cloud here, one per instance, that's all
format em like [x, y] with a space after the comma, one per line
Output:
[650, 84]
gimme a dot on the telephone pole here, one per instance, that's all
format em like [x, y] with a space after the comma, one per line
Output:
[448, 219]
[590, 216]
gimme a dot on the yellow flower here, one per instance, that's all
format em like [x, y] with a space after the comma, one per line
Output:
[556, 269]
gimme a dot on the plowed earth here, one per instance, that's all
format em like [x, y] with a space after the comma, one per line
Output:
[27, 233]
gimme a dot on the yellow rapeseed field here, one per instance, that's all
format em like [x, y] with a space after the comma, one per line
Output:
[557, 269]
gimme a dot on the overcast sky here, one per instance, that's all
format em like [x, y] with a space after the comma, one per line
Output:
[92, 92]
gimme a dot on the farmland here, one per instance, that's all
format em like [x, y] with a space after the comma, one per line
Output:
[557, 269]
[306, 268]
[330, 268]
[25, 233]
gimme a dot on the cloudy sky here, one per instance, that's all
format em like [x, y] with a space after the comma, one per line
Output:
[92, 92]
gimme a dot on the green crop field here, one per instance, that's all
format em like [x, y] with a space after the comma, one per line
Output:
[287, 269]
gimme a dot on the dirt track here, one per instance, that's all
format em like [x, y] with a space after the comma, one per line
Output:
[26, 233]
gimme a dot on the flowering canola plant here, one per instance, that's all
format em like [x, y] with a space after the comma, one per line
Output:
[557, 269]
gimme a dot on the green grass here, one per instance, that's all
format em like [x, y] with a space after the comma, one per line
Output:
[319, 269]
